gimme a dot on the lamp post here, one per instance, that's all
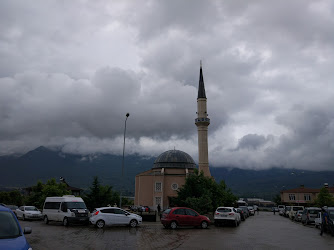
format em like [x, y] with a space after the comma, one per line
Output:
[120, 197]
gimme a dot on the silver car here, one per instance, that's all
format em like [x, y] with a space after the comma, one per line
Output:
[309, 215]
[28, 213]
[113, 216]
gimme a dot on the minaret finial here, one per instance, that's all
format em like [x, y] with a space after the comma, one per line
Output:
[200, 63]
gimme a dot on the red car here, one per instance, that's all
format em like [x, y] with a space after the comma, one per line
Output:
[183, 216]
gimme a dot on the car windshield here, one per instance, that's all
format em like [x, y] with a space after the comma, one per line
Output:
[31, 209]
[75, 205]
[8, 226]
[167, 211]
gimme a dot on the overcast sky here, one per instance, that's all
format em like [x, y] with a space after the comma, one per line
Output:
[71, 70]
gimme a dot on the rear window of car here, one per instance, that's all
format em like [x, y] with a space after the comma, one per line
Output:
[331, 214]
[224, 210]
[314, 211]
[297, 208]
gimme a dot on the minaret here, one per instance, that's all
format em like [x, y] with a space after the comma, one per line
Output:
[202, 122]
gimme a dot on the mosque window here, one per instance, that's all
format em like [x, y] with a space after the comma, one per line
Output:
[158, 187]
[175, 186]
[158, 200]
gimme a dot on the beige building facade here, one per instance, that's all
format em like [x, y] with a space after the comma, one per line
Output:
[302, 195]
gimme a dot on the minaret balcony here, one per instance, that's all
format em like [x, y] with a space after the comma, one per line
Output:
[202, 121]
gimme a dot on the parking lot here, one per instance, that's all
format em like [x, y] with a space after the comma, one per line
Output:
[264, 231]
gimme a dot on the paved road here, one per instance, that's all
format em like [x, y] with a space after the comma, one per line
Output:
[264, 231]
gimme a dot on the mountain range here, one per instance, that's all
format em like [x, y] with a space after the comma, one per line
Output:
[78, 170]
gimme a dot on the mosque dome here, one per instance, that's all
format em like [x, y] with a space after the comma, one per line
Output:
[174, 159]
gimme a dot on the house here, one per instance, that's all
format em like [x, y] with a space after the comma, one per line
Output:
[302, 195]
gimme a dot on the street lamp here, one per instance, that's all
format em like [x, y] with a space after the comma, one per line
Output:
[120, 197]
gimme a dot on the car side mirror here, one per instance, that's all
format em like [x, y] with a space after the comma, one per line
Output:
[27, 230]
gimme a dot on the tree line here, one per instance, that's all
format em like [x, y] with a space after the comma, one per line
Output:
[97, 195]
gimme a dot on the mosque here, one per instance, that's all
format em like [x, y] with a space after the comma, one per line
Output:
[170, 169]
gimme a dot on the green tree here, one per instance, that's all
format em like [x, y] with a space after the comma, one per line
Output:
[324, 198]
[203, 194]
[277, 199]
[100, 196]
[41, 191]
[12, 198]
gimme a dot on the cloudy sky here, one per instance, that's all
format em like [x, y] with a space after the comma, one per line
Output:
[71, 70]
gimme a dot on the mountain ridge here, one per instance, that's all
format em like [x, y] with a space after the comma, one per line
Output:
[43, 163]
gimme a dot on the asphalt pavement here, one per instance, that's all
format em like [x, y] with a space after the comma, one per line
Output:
[263, 231]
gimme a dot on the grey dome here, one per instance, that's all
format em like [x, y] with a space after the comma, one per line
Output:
[174, 159]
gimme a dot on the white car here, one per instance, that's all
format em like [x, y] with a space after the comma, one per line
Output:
[251, 210]
[318, 220]
[110, 216]
[28, 213]
[227, 214]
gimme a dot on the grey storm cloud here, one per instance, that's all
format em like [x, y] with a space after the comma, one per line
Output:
[70, 71]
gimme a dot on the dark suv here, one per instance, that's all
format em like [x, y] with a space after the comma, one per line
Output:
[183, 216]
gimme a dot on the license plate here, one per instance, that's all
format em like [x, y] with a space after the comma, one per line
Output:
[223, 215]
[82, 219]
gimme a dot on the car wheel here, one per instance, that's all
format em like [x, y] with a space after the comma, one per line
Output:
[173, 225]
[23, 217]
[133, 223]
[46, 220]
[204, 225]
[100, 224]
[65, 222]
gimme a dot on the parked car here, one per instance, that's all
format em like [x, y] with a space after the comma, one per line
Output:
[294, 210]
[329, 225]
[287, 211]
[318, 220]
[11, 233]
[183, 216]
[242, 214]
[281, 207]
[13, 208]
[298, 216]
[28, 213]
[67, 209]
[113, 216]
[309, 215]
[245, 209]
[251, 210]
[225, 215]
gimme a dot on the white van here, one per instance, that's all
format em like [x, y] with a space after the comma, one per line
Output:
[67, 209]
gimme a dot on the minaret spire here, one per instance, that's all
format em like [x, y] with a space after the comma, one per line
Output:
[201, 88]
[202, 122]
